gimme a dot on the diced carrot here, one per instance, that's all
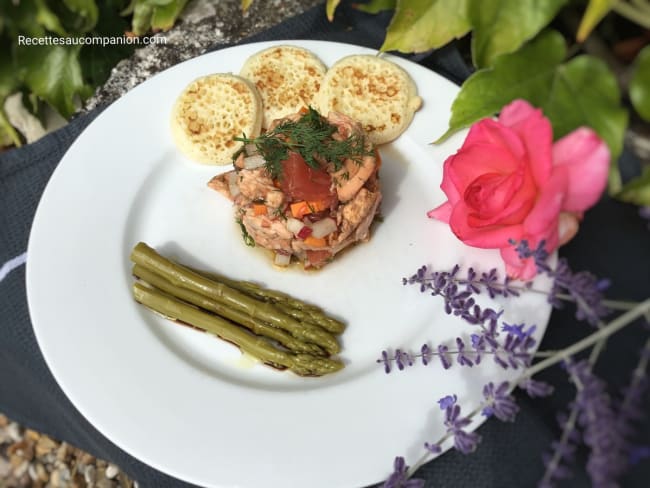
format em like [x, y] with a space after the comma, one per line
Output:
[312, 241]
[299, 209]
[303, 110]
[302, 208]
[259, 209]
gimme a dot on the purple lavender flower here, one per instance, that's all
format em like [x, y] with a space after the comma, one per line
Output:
[598, 419]
[386, 360]
[444, 359]
[638, 454]
[433, 448]
[499, 403]
[539, 254]
[462, 358]
[536, 389]
[585, 289]
[448, 401]
[558, 461]
[457, 292]
[465, 442]
[399, 477]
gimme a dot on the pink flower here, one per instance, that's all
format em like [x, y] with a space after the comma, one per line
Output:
[509, 181]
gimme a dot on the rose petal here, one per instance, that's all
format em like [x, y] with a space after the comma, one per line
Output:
[441, 212]
[476, 160]
[568, 226]
[447, 185]
[549, 203]
[503, 200]
[536, 134]
[586, 159]
[495, 134]
[485, 237]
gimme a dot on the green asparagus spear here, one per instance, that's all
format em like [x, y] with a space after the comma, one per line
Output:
[302, 364]
[186, 278]
[255, 325]
[286, 303]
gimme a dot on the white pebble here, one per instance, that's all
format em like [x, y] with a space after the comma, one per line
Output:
[5, 468]
[33, 474]
[111, 471]
[90, 473]
[22, 469]
[14, 432]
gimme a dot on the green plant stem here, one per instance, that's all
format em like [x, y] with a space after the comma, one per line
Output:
[633, 13]
[614, 326]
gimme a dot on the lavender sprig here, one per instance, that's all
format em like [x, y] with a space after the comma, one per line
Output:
[510, 350]
[597, 417]
[465, 442]
[399, 477]
[499, 403]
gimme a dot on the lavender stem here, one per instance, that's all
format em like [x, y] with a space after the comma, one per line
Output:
[568, 428]
[614, 326]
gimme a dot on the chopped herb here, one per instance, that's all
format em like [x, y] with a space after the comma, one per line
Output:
[311, 137]
[280, 213]
[248, 239]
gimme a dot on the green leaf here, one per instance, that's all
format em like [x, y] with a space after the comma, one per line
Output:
[86, 12]
[640, 84]
[375, 6]
[245, 5]
[596, 10]
[54, 74]
[502, 26]
[585, 92]
[637, 190]
[581, 92]
[157, 3]
[48, 19]
[165, 16]
[97, 60]
[330, 8]
[9, 83]
[141, 21]
[527, 73]
[420, 25]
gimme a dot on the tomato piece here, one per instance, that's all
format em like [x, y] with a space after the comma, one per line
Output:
[316, 258]
[299, 181]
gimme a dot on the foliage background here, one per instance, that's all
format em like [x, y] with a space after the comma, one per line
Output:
[585, 63]
[62, 76]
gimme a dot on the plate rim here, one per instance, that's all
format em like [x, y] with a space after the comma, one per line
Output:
[125, 99]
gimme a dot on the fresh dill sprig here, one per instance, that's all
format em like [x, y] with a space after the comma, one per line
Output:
[248, 239]
[311, 137]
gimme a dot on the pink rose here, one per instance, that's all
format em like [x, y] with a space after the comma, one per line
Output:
[509, 181]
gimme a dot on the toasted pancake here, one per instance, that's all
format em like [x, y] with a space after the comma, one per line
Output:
[287, 78]
[374, 91]
[210, 112]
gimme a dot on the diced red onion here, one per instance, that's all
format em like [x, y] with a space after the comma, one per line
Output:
[323, 227]
[233, 187]
[304, 232]
[255, 161]
[282, 259]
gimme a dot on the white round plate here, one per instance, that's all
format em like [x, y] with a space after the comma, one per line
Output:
[187, 403]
